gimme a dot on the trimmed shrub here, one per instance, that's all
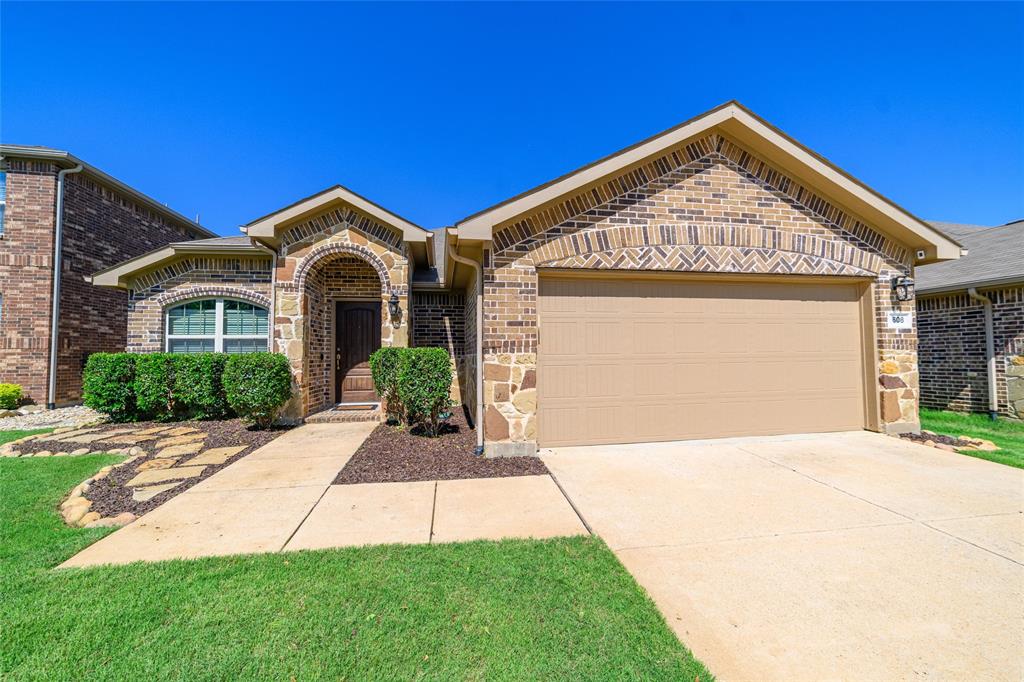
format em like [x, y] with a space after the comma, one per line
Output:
[108, 384]
[198, 391]
[385, 365]
[424, 387]
[257, 385]
[10, 396]
[154, 386]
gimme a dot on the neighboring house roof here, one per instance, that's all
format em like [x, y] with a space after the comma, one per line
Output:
[68, 160]
[995, 256]
[120, 274]
[742, 125]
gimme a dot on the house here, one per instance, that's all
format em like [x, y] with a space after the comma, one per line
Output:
[55, 208]
[970, 319]
[717, 279]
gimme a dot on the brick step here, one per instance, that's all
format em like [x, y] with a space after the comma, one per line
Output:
[347, 413]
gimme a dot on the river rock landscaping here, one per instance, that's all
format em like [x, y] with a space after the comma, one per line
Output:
[164, 460]
[951, 443]
[395, 453]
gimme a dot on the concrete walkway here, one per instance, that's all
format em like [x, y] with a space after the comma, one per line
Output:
[832, 556]
[281, 498]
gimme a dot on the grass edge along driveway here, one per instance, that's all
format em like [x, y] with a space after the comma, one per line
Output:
[558, 609]
[1006, 433]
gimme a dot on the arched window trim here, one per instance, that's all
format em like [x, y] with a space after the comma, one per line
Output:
[219, 335]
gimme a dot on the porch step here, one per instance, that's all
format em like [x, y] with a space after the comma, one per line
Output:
[347, 413]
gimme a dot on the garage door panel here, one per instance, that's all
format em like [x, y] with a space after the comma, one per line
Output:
[647, 360]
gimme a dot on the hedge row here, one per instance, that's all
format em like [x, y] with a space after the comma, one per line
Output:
[174, 386]
[414, 384]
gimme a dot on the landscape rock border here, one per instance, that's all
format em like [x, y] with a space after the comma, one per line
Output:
[75, 509]
[949, 443]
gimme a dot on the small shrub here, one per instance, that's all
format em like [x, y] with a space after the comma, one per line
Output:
[198, 391]
[154, 386]
[108, 384]
[424, 386]
[257, 385]
[10, 396]
[385, 365]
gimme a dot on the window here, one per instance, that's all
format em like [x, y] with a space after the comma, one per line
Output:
[217, 324]
[3, 200]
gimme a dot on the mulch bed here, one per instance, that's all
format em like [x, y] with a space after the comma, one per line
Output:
[110, 495]
[936, 438]
[392, 454]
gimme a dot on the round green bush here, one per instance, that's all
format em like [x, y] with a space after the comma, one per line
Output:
[10, 396]
[257, 385]
[385, 365]
[108, 384]
[424, 387]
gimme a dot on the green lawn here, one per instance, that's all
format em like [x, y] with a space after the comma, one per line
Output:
[1006, 433]
[8, 436]
[562, 609]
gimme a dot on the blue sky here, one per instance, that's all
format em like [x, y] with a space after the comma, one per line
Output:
[436, 111]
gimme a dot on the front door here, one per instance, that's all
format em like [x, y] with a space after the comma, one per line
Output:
[357, 334]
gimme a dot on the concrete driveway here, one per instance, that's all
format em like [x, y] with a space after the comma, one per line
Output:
[836, 556]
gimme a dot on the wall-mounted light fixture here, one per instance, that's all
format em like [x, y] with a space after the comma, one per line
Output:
[903, 288]
[393, 305]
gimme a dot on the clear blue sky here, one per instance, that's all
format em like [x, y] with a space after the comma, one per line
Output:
[436, 111]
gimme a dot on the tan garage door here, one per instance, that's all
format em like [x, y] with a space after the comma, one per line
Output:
[637, 360]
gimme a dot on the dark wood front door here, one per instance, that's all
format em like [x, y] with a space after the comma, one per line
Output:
[356, 334]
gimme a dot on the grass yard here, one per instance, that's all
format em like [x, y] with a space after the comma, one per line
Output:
[562, 609]
[8, 436]
[1006, 433]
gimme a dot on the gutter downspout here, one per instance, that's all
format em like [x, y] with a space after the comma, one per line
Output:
[990, 352]
[58, 249]
[479, 344]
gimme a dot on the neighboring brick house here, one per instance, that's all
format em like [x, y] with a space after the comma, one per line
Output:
[716, 279]
[955, 340]
[104, 222]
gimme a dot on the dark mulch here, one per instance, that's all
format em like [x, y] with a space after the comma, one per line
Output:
[936, 438]
[392, 454]
[110, 496]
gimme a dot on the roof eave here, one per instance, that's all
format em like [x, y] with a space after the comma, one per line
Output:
[70, 160]
[994, 283]
[120, 275]
[743, 125]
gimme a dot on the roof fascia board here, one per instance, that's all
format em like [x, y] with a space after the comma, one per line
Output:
[268, 225]
[119, 275]
[737, 122]
[964, 286]
[70, 160]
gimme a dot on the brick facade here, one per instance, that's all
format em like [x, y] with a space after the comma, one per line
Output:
[246, 279]
[954, 369]
[439, 320]
[102, 227]
[710, 206]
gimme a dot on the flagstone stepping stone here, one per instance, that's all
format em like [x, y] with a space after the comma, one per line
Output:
[155, 429]
[158, 463]
[84, 438]
[130, 439]
[179, 450]
[67, 434]
[149, 492]
[161, 475]
[216, 455]
[180, 431]
[180, 440]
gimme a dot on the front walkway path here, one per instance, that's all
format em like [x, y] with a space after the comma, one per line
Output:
[280, 498]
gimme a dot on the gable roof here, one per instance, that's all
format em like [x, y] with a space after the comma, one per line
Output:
[119, 275]
[995, 256]
[68, 160]
[268, 224]
[742, 125]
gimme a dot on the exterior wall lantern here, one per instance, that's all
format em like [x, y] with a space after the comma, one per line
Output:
[903, 288]
[393, 305]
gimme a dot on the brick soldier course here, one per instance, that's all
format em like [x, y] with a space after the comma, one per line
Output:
[726, 199]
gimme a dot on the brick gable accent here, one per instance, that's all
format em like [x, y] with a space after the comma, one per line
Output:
[710, 206]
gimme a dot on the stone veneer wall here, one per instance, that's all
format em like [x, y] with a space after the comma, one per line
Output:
[102, 227]
[438, 320]
[310, 246]
[954, 371]
[246, 279]
[710, 206]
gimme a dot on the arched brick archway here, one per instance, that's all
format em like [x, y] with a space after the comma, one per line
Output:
[327, 251]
